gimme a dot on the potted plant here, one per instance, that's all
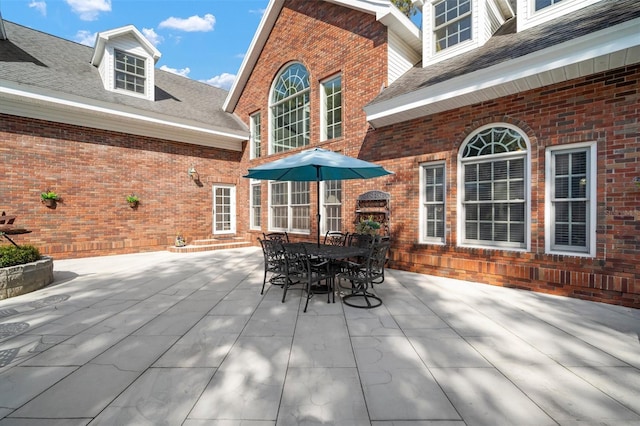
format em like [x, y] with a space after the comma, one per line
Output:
[180, 241]
[368, 226]
[49, 198]
[133, 200]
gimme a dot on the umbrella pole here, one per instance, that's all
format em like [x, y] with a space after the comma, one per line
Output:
[318, 209]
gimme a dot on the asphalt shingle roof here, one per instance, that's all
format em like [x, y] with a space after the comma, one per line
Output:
[507, 44]
[41, 60]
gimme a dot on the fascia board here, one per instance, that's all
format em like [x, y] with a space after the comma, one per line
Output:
[603, 42]
[253, 53]
[10, 90]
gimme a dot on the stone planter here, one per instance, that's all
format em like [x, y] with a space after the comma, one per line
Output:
[21, 279]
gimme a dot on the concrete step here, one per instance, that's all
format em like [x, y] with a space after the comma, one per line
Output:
[210, 244]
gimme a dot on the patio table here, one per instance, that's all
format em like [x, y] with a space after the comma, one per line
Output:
[334, 254]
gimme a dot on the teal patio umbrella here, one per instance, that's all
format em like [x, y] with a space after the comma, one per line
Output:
[316, 165]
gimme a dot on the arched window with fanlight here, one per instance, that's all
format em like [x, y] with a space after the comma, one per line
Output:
[289, 106]
[494, 188]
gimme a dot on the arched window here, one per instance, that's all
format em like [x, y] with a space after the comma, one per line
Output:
[290, 109]
[494, 188]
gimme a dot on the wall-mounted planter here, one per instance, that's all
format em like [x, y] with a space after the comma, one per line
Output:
[50, 202]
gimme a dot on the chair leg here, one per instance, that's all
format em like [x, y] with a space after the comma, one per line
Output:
[308, 295]
[264, 282]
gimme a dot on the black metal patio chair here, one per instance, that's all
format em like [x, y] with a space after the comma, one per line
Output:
[336, 238]
[274, 262]
[363, 274]
[306, 270]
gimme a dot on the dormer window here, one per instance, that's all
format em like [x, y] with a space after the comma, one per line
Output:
[452, 23]
[126, 62]
[541, 4]
[129, 72]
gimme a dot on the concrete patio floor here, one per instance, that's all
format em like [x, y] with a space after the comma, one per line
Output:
[187, 339]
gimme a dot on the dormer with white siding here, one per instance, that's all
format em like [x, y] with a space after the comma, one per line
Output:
[126, 62]
[452, 27]
[536, 12]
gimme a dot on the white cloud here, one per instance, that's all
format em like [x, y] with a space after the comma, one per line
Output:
[85, 37]
[88, 10]
[257, 11]
[223, 81]
[183, 72]
[151, 35]
[191, 24]
[40, 6]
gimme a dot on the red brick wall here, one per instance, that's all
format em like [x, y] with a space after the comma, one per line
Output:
[93, 171]
[327, 39]
[604, 108]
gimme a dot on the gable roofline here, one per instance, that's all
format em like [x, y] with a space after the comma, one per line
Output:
[385, 12]
[103, 37]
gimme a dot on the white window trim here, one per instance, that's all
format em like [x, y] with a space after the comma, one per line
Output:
[527, 204]
[232, 196]
[592, 207]
[252, 183]
[323, 106]
[270, 126]
[323, 225]
[114, 71]
[422, 238]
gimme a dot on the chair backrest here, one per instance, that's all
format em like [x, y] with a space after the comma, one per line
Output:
[296, 259]
[377, 258]
[281, 236]
[273, 254]
[336, 238]
[361, 240]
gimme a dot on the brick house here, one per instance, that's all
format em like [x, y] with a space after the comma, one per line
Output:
[511, 126]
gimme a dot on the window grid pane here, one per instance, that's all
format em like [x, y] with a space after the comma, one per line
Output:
[256, 205]
[452, 23]
[494, 198]
[256, 128]
[130, 72]
[433, 209]
[333, 107]
[290, 109]
[570, 201]
[290, 206]
[223, 209]
[333, 205]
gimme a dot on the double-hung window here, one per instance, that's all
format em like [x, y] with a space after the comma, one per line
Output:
[290, 206]
[129, 72]
[332, 206]
[332, 108]
[571, 193]
[494, 189]
[290, 111]
[452, 23]
[432, 193]
[256, 141]
[255, 212]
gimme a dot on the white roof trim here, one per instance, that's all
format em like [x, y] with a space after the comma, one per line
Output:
[56, 101]
[385, 13]
[442, 96]
[103, 37]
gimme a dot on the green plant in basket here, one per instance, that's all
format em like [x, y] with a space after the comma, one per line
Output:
[368, 226]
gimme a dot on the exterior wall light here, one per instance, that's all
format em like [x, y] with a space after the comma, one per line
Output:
[193, 174]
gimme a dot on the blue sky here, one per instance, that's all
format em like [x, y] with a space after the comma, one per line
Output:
[201, 39]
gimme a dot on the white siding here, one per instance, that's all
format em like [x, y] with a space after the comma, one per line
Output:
[401, 57]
